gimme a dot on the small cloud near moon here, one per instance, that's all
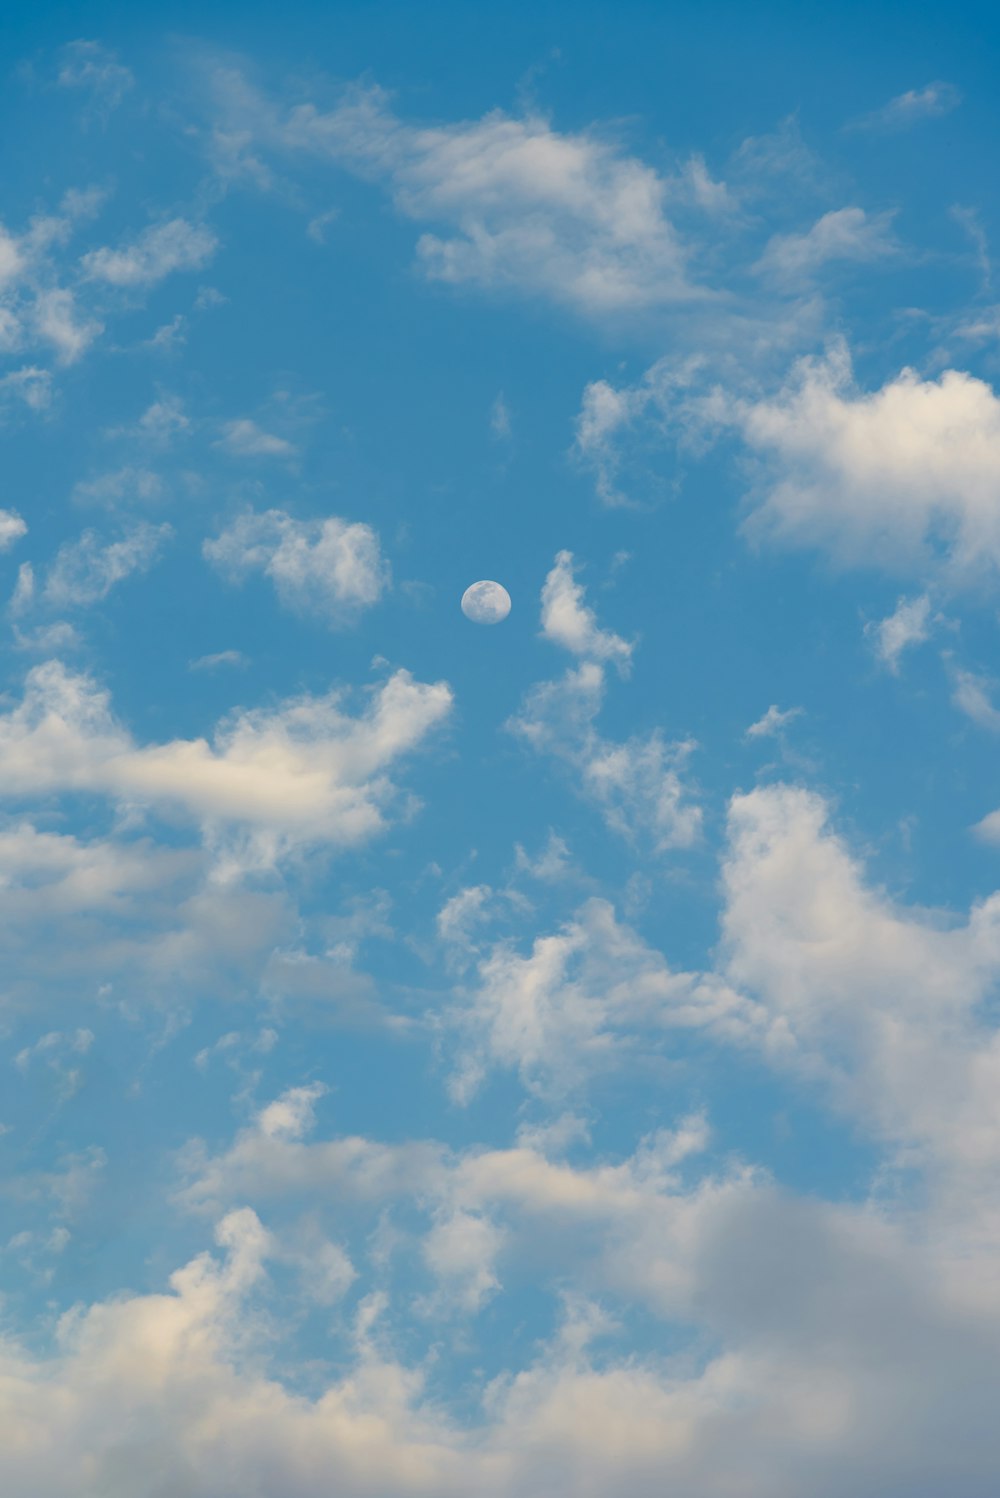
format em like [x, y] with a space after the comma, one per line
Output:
[486, 603]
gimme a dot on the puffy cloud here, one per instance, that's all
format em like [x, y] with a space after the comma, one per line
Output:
[580, 999]
[157, 252]
[332, 568]
[305, 773]
[880, 1005]
[900, 476]
[828, 1325]
[567, 621]
[636, 784]
[85, 571]
[907, 625]
[12, 528]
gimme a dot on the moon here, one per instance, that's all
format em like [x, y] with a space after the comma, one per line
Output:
[486, 603]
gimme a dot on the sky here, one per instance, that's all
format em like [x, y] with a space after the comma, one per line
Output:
[556, 1056]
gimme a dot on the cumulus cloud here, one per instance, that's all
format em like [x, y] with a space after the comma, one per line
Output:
[303, 773]
[156, 253]
[827, 1326]
[331, 568]
[567, 621]
[12, 528]
[903, 476]
[880, 1005]
[581, 999]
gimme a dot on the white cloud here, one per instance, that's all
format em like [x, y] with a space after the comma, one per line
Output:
[567, 621]
[30, 385]
[907, 625]
[219, 658]
[636, 784]
[85, 571]
[519, 204]
[12, 528]
[56, 322]
[89, 65]
[817, 1329]
[331, 568]
[582, 998]
[246, 439]
[500, 419]
[121, 486]
[773, 723]
[929, 102]
[845, 234]
[305, 773]
[971, 695]
[157, 252]
[881, 1006]
[900, 476]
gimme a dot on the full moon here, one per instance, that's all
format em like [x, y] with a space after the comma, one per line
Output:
[486, 603]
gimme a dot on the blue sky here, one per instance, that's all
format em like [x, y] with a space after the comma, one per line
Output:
[557, 1056]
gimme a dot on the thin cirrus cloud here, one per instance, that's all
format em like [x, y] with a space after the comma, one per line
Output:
[330, 568]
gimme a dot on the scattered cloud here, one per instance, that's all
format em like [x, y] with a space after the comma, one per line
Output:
[246, 440]
[156, 253]
[12, 528]
[909, 624]
[520, 205]
[902, 477]
[847, 234]
[305, 773]
[637, 784]
[91, 66]
[773, 723]
[330, 568]
[85, 571]
[929, 102]
[971, 694]
[567, 621]
[220, 658]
